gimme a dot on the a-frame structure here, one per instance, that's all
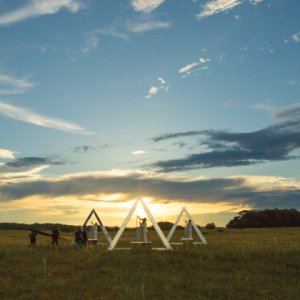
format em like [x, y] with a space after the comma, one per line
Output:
[193, 223]
[155, 225]
[100, 224]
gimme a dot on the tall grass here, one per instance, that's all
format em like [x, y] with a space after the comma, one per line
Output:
[236, 264]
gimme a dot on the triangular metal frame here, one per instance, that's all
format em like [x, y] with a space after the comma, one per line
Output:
[100, 224]
[193, 223]
[155, 225]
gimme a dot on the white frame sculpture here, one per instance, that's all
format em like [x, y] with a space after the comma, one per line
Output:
[100, 224]
[155, 225]
[194, 225]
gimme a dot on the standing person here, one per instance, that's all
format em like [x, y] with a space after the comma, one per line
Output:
[95, 231]
[91, 234]
[144, 227]
[138, 233]
[55, 235]
[77, 238]
[84, 236]
[189, 228]
[32, 237]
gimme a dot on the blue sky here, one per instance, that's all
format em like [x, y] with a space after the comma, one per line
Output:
[186, 103]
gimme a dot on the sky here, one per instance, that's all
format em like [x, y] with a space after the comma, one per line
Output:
[189, 103]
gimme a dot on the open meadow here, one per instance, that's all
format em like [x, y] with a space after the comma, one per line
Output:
[236, 264]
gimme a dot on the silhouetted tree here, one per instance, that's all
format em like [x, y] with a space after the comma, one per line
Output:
[266, 218]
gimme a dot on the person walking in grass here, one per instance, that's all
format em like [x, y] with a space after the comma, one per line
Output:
[55, 235]
[32, 237]
[78, 238]
[144, 227]
[84, 236]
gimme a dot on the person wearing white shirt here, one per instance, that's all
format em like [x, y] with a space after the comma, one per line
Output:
[144, 227]
[95, 229]
[189, 228]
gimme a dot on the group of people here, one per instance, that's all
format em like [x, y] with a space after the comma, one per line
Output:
[55, 236]
[81, 236]
[143, 228]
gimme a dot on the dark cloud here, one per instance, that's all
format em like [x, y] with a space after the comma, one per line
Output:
[21, 162]
[163, 150]
[83, 149]
[218, 190]
[106, 146]
[87, 149]
[179, 144]
[229, 149]
[167, 136]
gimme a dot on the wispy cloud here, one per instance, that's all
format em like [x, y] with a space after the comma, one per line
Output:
[216, 6]
[153, 90]
[38, 8]
[13, 85]
[145, 26]
[112, 32]
[7, 153]
[232, 103]
[29, 116]
[91, 43]
[296, 37]
[190, 66]
[139, 152]
[146, 6]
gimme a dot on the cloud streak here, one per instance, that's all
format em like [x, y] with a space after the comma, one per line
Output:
[216, 6]
[29, 116]
[37, 8]
[146, 6]
[146, 26]
[225, 149]
[190, 66]
[112, 32]
[13, 85]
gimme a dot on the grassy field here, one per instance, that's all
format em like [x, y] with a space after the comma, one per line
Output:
[236, 264]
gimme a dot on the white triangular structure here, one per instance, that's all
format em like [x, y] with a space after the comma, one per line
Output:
[194, 225]
[100, 224]
[156, 227]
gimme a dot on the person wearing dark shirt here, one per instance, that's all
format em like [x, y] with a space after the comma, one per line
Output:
[84, 236]
[78, 238]
[32, 237]
[55, 235]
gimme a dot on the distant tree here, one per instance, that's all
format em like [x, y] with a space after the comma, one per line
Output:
[210, 226]
[266, 218]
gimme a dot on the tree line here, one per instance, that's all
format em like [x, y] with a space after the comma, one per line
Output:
[71, 228]
[266, 218]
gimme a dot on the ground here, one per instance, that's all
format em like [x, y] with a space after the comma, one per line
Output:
[236, 264]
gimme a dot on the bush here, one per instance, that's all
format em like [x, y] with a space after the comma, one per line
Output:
[210, 226]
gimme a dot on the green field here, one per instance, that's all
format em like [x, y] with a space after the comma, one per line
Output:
[236, 264]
